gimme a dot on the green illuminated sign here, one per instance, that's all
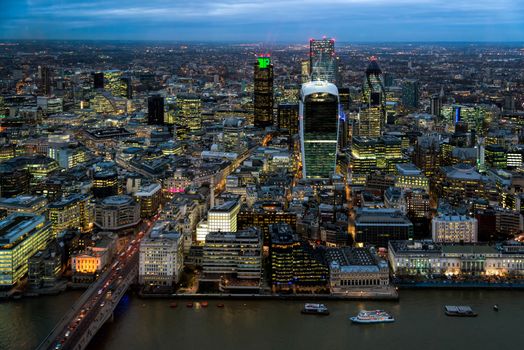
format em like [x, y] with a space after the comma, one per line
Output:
[264, 62]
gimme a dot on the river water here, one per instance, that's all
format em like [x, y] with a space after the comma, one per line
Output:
[152, 324]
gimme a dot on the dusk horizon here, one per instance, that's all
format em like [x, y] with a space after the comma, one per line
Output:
[268, 21]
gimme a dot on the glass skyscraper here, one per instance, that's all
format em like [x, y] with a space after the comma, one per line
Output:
[372, 116]
[318, 113]
[323, 60]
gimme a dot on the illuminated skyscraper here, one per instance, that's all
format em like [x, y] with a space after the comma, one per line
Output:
[287, 117]
[372, 116]
[318, 113]
[189, 114]
[263, 92]
[323, 60]
[155, 110]
[115, 83]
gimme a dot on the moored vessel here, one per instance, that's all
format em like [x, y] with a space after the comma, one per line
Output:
[459, 311]
[315, 309]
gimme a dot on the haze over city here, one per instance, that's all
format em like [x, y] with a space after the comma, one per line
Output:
[268, 21]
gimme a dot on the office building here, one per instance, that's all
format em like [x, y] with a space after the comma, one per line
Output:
[287, 117]
[410, 177]
[378, 226]
[24, 204]
[71, 212]
[233, 260]
[149, 197]
[105, 184]
[263, 92]
[322, 60]
[410, 94]
[495, 156]
[318, 113]
[21, 236]
[263, 216]
[98, 80]
[44, 80]
[161, 259]
[117, 213]
[189, 114]
[295, 265]
[454, 228]
[233, 137]
[155, 110]
[115, 83]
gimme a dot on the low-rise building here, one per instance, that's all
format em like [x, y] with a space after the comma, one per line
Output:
[454, 228]
[24, 204]
[356, 269]
[424, 258]
[117, 212]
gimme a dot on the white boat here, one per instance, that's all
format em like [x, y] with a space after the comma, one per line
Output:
[315, 309]
[374, 316]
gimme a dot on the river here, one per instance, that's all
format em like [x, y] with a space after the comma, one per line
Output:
[152, 324]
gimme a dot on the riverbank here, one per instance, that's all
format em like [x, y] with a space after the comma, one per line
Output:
[459, 285]
[353, 296]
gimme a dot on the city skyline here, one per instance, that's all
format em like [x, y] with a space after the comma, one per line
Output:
[268, 21]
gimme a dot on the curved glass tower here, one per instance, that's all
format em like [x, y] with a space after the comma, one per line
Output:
[318, 113]
[372, 116]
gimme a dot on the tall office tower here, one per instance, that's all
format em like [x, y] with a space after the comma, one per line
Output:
[189, 113]
[155, 110]
[129, 87]
[44, 80]
[287, 117]
[318, 115]
[372, 116]
[410, 93]
[115, 83]
[98, 80]
[436, 105]
[305, 71]
[263, 92]
[323, 60]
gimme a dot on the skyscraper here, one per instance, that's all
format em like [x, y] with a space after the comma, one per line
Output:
[44, 80]
[155, 110]
[189, 113]
[410, 93]
[263, 92]
[372, 116]
[287, 117]
[98, 80]
[323, 60]
[318, 113]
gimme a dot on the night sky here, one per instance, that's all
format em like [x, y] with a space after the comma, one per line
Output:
[264, 20]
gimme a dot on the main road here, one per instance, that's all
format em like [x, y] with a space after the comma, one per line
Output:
[96, 305]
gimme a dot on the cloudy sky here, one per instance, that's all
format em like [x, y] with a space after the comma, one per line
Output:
[264, 20]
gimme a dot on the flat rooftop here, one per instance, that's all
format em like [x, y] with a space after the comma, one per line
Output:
[17, 225]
